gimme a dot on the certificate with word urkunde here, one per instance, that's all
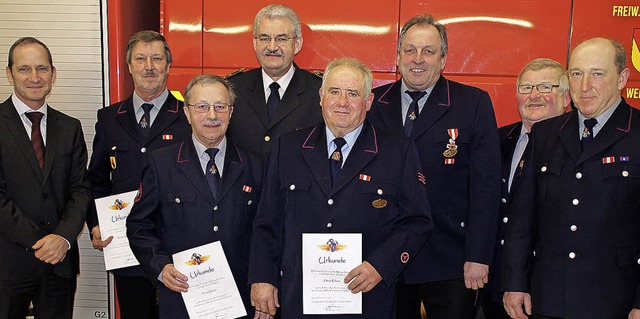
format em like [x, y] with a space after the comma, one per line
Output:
[326, 261]
[212, 291]
[112, 216]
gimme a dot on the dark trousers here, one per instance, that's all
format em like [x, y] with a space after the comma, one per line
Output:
[447, 299]
[136, 298]
[52, 297]
[491, 308]
[537, 316]
[494, 310]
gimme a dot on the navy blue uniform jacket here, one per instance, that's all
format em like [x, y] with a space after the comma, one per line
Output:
[175, 211]
[298, 198]
[120, 151]
[464, 195]
[580, 213]
[33, 203]
[299, 107]
[509, 135]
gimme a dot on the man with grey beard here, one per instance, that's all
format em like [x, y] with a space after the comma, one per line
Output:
[278, 97]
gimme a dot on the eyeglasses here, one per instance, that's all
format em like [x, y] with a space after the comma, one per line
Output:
[205, 107]
[542, 88]
[265, 39]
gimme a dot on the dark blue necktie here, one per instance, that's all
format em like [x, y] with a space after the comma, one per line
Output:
[213, 176]
[413, 111]
[274, 99]
[145, 121]
[335, 161]
[587, 133]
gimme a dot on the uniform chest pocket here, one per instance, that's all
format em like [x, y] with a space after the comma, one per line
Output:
[452, 153]
[119, 160]
[175, 206]
[623, 181]
[380, 203]
[548, 180]
[240, 215]
[296, 198]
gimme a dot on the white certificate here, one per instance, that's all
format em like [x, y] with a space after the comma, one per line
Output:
[112, 216]
[326, 261]
[212, 291]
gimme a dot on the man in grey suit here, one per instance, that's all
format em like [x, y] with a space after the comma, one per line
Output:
[278, 97]
[43, 191]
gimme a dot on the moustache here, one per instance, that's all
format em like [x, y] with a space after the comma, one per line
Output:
[276, 52]
[211, 123]
[150, 73]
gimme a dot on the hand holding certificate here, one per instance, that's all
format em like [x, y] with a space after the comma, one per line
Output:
[112, 216]
[327, 259]
[212, 292]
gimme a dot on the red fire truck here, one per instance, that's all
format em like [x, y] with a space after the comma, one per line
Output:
[489, 41]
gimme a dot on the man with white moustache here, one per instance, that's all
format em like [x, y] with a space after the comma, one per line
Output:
[199, 191]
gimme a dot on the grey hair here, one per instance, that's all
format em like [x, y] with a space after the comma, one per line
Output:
[209, 79]
[354, 64]
[543, 64]
[274, 11]
[423, 21]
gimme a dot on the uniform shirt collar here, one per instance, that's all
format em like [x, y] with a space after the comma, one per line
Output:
[22, 108]
[284, 82]
[204, 157]
[350, 138]
[157, 102]
[406, 99]
[602, 118]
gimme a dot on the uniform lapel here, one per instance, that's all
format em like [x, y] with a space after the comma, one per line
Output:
[169, 113]
[290, 100]
[616, 128]
[232, 168]
[314, 151]
[53, 138]
[256, 99]
[390, 107]
[364, 150]
[189, 164]
[127, 119]
[23, 143]
[569, 138]
[438, 103]
[508, 147]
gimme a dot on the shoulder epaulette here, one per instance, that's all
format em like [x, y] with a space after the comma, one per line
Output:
[234, 73]
[318, 73]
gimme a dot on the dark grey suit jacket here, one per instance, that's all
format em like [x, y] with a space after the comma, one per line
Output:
[35, 203]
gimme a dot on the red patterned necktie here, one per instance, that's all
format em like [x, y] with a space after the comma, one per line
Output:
[36, 136]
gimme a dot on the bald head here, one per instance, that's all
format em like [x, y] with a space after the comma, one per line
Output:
[597, 75]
